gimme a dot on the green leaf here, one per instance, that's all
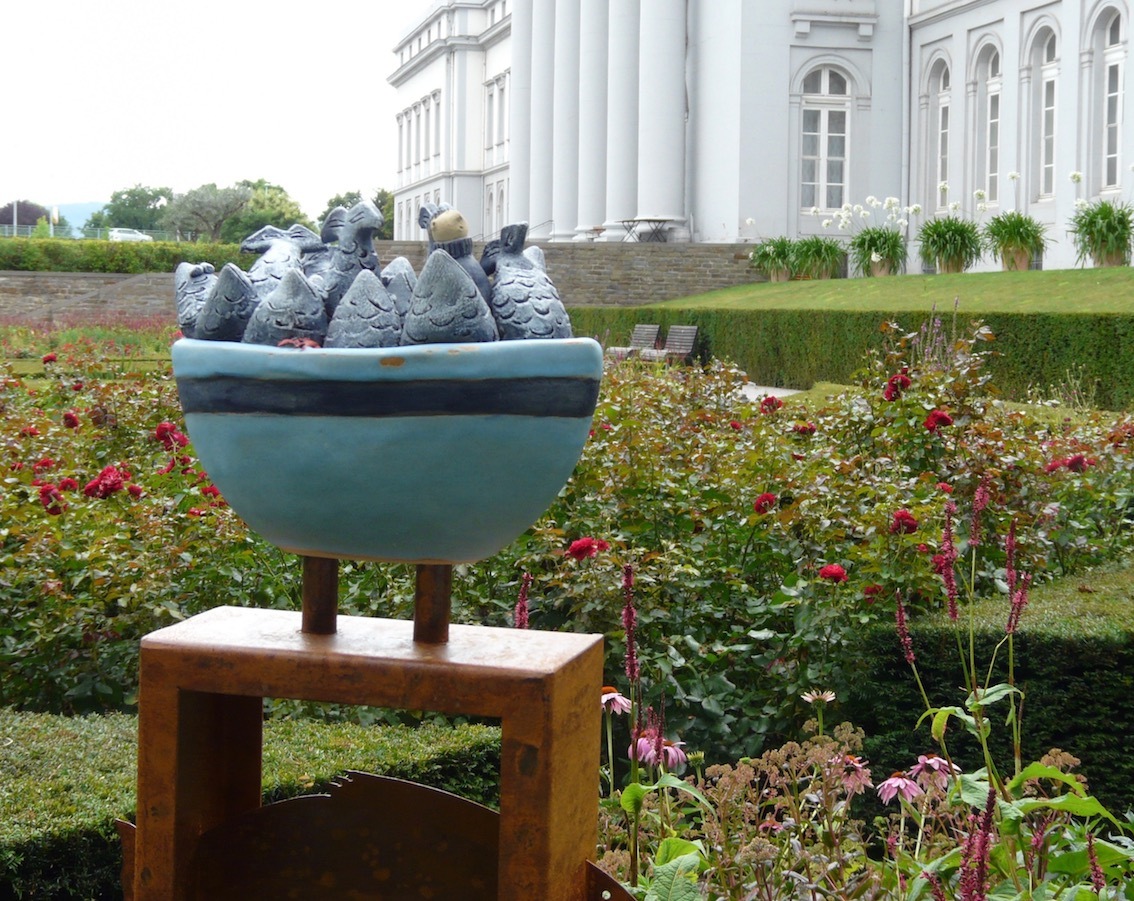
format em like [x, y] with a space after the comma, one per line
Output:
[1043, 771]
[676, 880]
[632, 797]
[990, 695]
[673, 847]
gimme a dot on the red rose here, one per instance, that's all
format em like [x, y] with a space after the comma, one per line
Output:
[936, 419]
[110, 480]
[804, 428]
[903, 523]
[135, 490]
[70, 420]
[871, 592]
[946, 487]
[770, 404]
[49, 358]
[736, 424]
[764, 503]
[68, 484]
[832, 572]
[582, 548]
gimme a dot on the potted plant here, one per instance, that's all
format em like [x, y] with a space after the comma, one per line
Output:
[1103, 230]
[818, 257]
[951, 243]
[1015, 238]
[775, 258]
[878, 250]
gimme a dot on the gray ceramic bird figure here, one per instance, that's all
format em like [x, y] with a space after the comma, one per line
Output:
[525, 304]
[399, 278]
[228, 307]
[280, 251]
[192, 284]
[508, 249]
[291, 313]
[366, 316]
[535, 255]
[449, 231]
[447, 306]
[353, 231]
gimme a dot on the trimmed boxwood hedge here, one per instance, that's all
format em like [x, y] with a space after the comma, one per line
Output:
[67, 779]
[129, 257]
[796, 348]
[1074, 660]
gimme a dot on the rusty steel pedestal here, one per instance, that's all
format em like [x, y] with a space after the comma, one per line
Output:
[200, 713]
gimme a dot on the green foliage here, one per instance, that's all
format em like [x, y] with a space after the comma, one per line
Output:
[818, 257]
[952, 243]
[1104, 231]
[878, 244]
[202, 212]
[267, 204]
[139, 207]
[1013, 232]
[67, 779]
[44, 255]
[774, 257]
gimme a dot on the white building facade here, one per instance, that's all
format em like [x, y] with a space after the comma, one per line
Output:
[736, 120]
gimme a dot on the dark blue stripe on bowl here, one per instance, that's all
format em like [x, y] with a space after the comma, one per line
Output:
[560, 397]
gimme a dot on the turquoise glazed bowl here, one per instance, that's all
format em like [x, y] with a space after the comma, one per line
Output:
[439, 453]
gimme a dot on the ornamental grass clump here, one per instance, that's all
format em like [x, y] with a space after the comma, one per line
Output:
[775, 258]
[1014, 238]
[1103, 230]
[875, 248]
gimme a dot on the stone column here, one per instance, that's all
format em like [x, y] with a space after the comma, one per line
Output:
[662, 108]
[543, 65]
[593, 50]
[565, 122]
[622, 117]
[520, 109]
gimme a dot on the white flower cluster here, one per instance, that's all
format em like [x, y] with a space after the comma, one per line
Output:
[848, 216]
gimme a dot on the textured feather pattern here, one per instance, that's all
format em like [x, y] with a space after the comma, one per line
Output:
[229, 306]
[525, 304]
[293, 310]
[366, 316]
[447, 306]
[192, 285]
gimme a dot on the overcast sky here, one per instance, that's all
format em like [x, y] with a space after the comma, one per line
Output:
[100, 96]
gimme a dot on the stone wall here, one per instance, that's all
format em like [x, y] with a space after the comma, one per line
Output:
[584, 273]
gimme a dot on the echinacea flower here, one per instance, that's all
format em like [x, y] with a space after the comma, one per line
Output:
[832, 572]
[931, 770]
[856, 775]
[898, 785]
[815, 697]
[613, 701]
[765, 503]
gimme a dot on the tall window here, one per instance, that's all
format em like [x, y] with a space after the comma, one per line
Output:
[1046, 63]
[825, 116]
[988, 145]
[1112, 116]
[938, 131]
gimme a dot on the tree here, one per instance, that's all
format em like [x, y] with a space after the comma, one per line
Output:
[137, 207]
[27, 213]
[203, 211]
[268, 204]
[383, 199]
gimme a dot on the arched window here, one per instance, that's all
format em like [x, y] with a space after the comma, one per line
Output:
[938, 170]
[825, 114]
[1112, 102]
[988, 78]
[1044, 62]
[490, 227]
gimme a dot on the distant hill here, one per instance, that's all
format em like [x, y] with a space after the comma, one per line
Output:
[78, 213]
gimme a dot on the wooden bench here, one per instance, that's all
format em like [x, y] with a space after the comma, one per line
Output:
[679, 343]
[643, 337]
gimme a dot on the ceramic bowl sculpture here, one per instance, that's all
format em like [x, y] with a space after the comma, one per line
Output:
[437, 453]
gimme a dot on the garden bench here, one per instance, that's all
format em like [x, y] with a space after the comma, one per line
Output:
[679, 342]
[643, 337]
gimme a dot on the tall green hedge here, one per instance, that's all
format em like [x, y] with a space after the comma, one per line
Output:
[130, 257]
[797, 347]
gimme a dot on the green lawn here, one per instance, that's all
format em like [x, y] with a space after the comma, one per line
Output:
[979, 293]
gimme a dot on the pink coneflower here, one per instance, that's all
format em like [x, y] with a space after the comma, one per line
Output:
[898, 785]
[931, 770]
[903, 523]
[520, 613]
[904, 632]
[765, 503]
[613, 701]
[832, 572]
[856, 775]
[629, 625]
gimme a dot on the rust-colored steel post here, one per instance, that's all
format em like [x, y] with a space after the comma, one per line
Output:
[320, 595]
[431, 603]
